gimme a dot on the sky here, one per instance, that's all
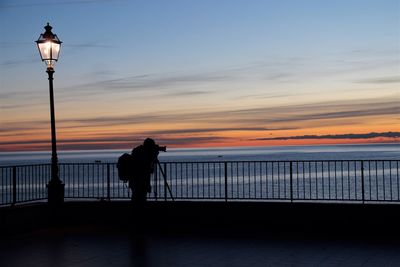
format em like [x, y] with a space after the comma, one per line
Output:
[201, 73]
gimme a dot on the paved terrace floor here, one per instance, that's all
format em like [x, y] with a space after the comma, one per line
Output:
[200, 234]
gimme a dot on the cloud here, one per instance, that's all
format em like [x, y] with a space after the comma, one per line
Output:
[180, 93]
[263, 96]
[11, 106]
[337, 136]
[13, 44]
[99, 132]
[14, 62]
[89, 44]
[104, 143]
[360, 112]
[273, 70]
[211, 130]
[317, 113]
[52, 3]
[281, 117]
[149, 82]
[381, 80]
[180, 83]
[188, 141]
[7, 127]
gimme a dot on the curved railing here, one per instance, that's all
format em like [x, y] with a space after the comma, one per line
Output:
[364, 181]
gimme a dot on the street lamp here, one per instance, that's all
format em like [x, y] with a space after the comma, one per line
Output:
[49, 48]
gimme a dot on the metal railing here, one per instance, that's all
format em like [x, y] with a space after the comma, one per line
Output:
[327, 180]
[26, 183]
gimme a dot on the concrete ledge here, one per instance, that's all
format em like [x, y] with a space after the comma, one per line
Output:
[231, 218]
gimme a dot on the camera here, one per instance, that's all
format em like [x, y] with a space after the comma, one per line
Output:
[161, 148]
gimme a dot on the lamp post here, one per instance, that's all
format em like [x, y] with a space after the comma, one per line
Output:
[49, 48]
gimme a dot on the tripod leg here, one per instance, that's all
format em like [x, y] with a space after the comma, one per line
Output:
[165, 180]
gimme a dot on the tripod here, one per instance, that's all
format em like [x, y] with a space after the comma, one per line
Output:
[165, 181]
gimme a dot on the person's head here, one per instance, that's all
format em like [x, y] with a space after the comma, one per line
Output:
[149, 143]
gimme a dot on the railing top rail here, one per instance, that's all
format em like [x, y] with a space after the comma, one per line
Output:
[25, 165]
[287, 161]
[214, 162]
[87, 163]
[279, 161]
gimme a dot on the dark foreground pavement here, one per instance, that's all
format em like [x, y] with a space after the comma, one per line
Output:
[200, 234]
[101, 247]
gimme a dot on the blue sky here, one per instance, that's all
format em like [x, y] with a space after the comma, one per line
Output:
[124, 59]
[201, 34]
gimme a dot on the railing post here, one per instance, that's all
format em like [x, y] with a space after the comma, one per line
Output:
[226, 180]
[108, 182]
[362, 182]
[156, 182]
[14, 188]
[291, 181]
[165, 181]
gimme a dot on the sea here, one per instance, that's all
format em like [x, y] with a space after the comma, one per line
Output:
[367, 172]
[272, 153]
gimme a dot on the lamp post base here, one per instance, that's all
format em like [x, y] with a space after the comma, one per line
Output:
[55, 191]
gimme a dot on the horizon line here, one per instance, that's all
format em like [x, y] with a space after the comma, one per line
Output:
[220, 147]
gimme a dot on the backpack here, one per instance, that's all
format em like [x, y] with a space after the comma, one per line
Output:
[125, 167]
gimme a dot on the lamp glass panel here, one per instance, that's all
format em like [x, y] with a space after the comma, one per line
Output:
[45, 50]
[55, 50]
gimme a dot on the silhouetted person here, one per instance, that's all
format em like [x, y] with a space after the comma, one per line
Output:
[145, 159]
